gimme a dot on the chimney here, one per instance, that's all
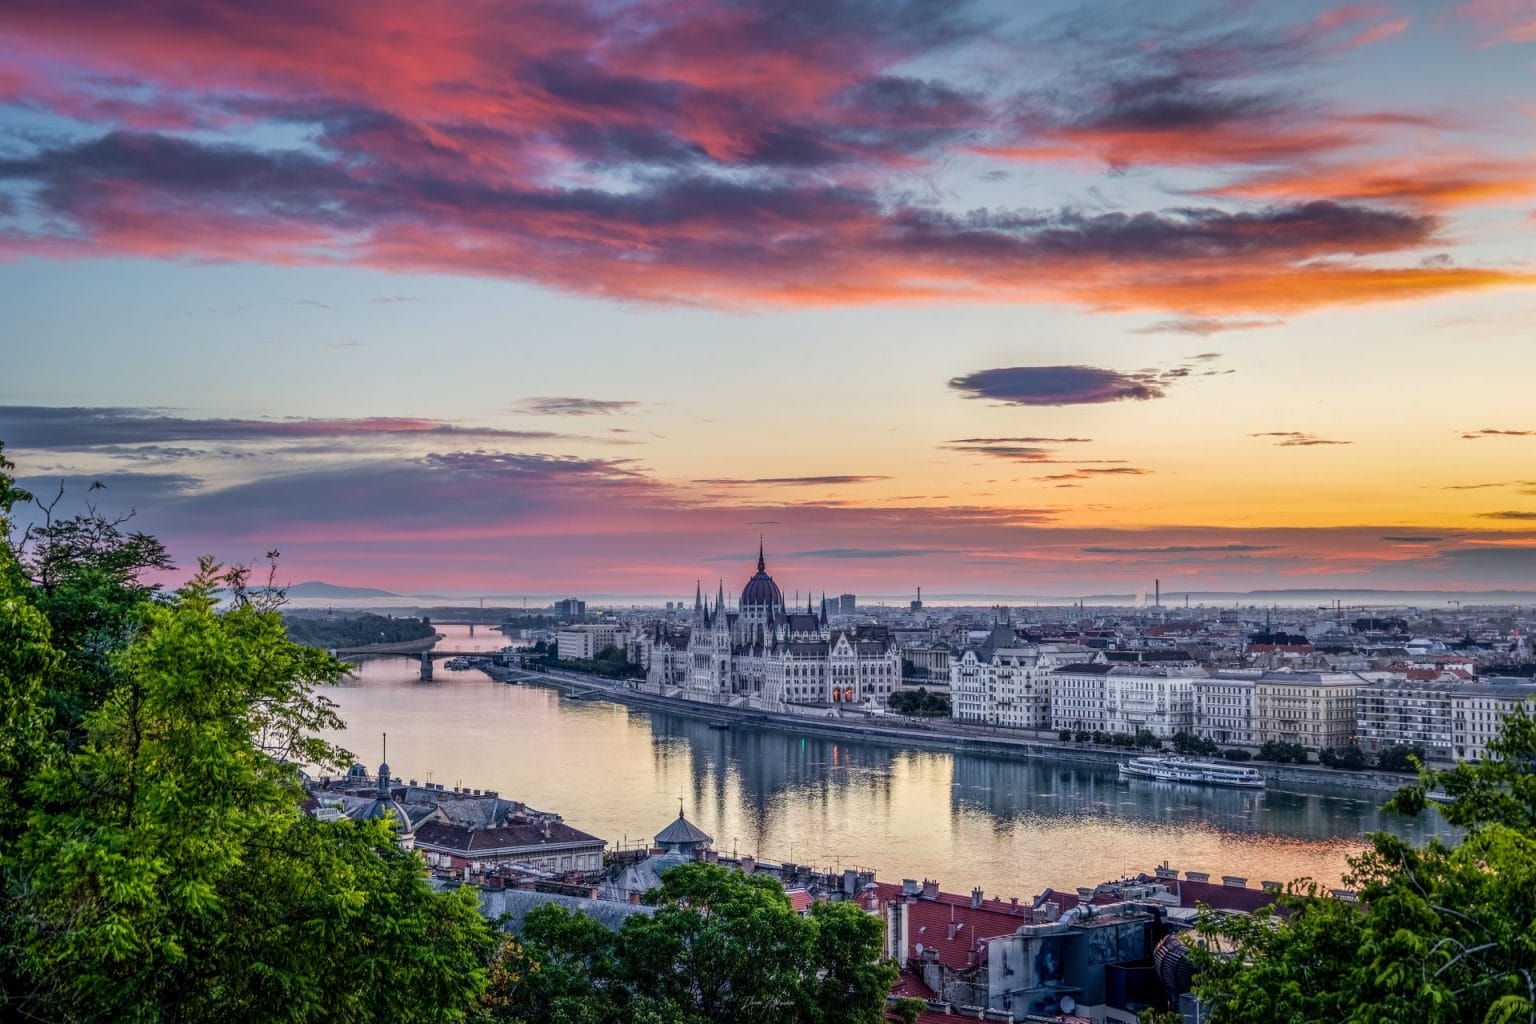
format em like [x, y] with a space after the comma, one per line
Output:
[1015, 901]
[1084, 894]
[1051, 910]
[1164, 871]
[930, 889]
[850, 881]
[909, 887]
[954, 927]
[748, 864]
[976, 898]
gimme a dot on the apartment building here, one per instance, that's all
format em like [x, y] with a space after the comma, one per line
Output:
[1315, 709]
[1159, 700]
[1224, 707]
[1478, 710]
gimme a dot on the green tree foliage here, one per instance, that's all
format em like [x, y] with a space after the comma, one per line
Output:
[1400, 757]
[1283, 753]
[1189, 743]
[1236, 754]
[355, 631]
[721, 946]
[1441, 933]
[156, 861]
[920, 702]
[1348, 758]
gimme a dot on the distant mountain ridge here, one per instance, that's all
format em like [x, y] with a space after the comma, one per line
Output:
[315, 588]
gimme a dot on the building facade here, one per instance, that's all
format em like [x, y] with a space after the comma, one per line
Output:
[1224, 708]
[584, 643]
[1393, 712]
[1160, 701]
[1077, 697]
[1478, 710]
[764, 655]
[1315, 709]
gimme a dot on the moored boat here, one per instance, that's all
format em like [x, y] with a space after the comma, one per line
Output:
[1183, 769]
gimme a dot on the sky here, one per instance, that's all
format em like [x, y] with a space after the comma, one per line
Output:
[587, 296]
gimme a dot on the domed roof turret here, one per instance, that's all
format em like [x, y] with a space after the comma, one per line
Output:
[760, 589]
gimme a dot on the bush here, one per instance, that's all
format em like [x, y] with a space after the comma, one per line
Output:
[1189, 743]
[1350, 758]
[1236, 754]
[1283, 753]
[1398, 757]
[920, 703]
[1083, 736]
[1064, 735]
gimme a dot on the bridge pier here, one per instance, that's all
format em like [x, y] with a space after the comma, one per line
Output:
[471, 629]
[426, 667]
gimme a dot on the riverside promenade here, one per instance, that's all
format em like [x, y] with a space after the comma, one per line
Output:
[934, 733]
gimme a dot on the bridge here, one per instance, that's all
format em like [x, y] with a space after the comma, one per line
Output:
[408, 649]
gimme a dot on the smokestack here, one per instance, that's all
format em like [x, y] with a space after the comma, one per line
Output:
[1157, 589]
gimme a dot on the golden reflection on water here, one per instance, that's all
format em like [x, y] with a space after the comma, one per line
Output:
[1011, 826]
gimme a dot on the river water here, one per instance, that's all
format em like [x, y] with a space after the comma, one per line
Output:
[1011, 826]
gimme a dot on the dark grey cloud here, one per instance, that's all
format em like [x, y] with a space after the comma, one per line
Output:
[63, 428]
[1297, 439]
[1203, 327]
[1405, 539]
[1021, 440]
[1508, 515]
[872, 552]
[1473, 435]
[1085, 473]
[552, 405]
[1058, 385]
[795, 481]
[1182, 549]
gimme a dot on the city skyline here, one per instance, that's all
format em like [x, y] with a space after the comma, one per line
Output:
[530, 298]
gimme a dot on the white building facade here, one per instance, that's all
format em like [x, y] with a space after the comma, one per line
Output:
[1224, 708]
[1160, 701]
[1478, 710]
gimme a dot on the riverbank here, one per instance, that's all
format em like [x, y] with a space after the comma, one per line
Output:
[934, 734]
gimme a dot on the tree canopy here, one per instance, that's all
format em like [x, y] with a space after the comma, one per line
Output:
[1441, 933]
[722, 946]
[155, 857]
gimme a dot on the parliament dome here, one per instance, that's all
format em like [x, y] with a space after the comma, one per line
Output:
[760, 589]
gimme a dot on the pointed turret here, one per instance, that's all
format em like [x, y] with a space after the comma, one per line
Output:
[823, 607]
[761, 565]
[720, 598]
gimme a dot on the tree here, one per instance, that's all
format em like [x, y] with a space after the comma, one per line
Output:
[1347, 758]
[1236, 754]
[1400, 757]
[156, 861]
[1188, 743]
[1441, 933]
[721, 946]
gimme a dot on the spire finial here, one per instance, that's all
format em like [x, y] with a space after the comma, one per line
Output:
[761, 565]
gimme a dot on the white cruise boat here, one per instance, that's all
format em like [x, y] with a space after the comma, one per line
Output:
[1183, 769]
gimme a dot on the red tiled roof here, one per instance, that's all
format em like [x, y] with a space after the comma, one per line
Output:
[799, 899]
[911, 985]
[1215, 895]
[951, 927]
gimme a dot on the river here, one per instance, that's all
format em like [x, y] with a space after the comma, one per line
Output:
[1011, 826]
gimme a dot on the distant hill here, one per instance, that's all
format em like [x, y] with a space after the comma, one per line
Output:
[314, 588]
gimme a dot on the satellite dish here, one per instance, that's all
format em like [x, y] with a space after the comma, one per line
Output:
[919, 948]
[1068, 1004]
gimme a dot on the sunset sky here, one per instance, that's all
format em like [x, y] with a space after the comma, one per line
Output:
[584, 295]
